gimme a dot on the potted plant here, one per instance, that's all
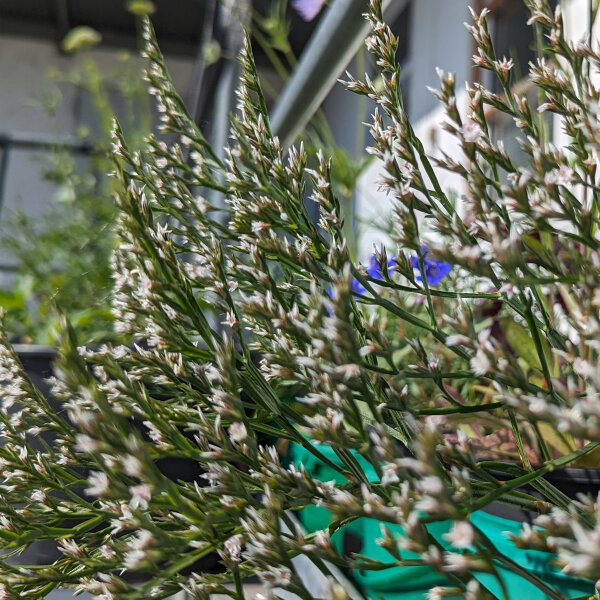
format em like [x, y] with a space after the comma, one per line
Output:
[388, 415]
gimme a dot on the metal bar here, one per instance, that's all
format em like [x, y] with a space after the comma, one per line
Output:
[194, 103]
[62, 20]
[336, 40]
[37, 141]
[3, 170]
[224, 95]
[34, 351]
[234, 20]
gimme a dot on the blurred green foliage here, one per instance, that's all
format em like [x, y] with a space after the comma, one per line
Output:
[63, 256]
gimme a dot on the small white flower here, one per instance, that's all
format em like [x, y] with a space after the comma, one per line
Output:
[473, 590]
[456, 562]
[86, 444]
[23, 453]
[562, 176]
[435, 593]
[322, 538]
[133, 559]
[435, 422]
[169, 311]
[461, 535]
[337, 418]
[259, 227]
[471, 131]
[480, 363]
[457, 340]
[117, 526]
[583, 368]
[154, 432]
[431, 485]
[348, 371]
[38, 496]
[366, 350]
[538, 407]
[237, 433]
[98, 484]
[140, 495]
[390, 474]
[504, 66]
[428, 505]
[231, 320]
[234, 547]
[107, 551]
[276, 576]
[432, 556]
[132, 466]
[70, 548]
[141, 540]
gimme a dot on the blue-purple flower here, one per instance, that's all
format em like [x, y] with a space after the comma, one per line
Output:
[435, 270]
[374, 271]
[308, 9]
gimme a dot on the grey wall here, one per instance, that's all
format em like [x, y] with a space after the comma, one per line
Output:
[438, 39]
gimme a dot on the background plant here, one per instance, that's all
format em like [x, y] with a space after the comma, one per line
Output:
[289, 291]
[63, 257]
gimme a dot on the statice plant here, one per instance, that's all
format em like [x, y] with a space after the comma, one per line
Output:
[379, 373]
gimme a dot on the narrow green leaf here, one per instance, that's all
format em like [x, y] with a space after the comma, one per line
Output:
[522, 343]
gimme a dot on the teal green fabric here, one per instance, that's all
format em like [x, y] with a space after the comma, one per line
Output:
[537, 563]
[317, 517]
[405, 582]
[412, 583]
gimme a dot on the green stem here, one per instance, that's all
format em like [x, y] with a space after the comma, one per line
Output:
[239, 588]
[535, 334]
[451, 410]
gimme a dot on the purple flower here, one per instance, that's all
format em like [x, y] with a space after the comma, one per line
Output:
[373, 270]
[357, 287]
[435, 270]
[308, 9]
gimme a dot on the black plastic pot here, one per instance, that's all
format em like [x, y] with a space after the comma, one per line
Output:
[573, 481]
[38, 364]
[570, 481]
